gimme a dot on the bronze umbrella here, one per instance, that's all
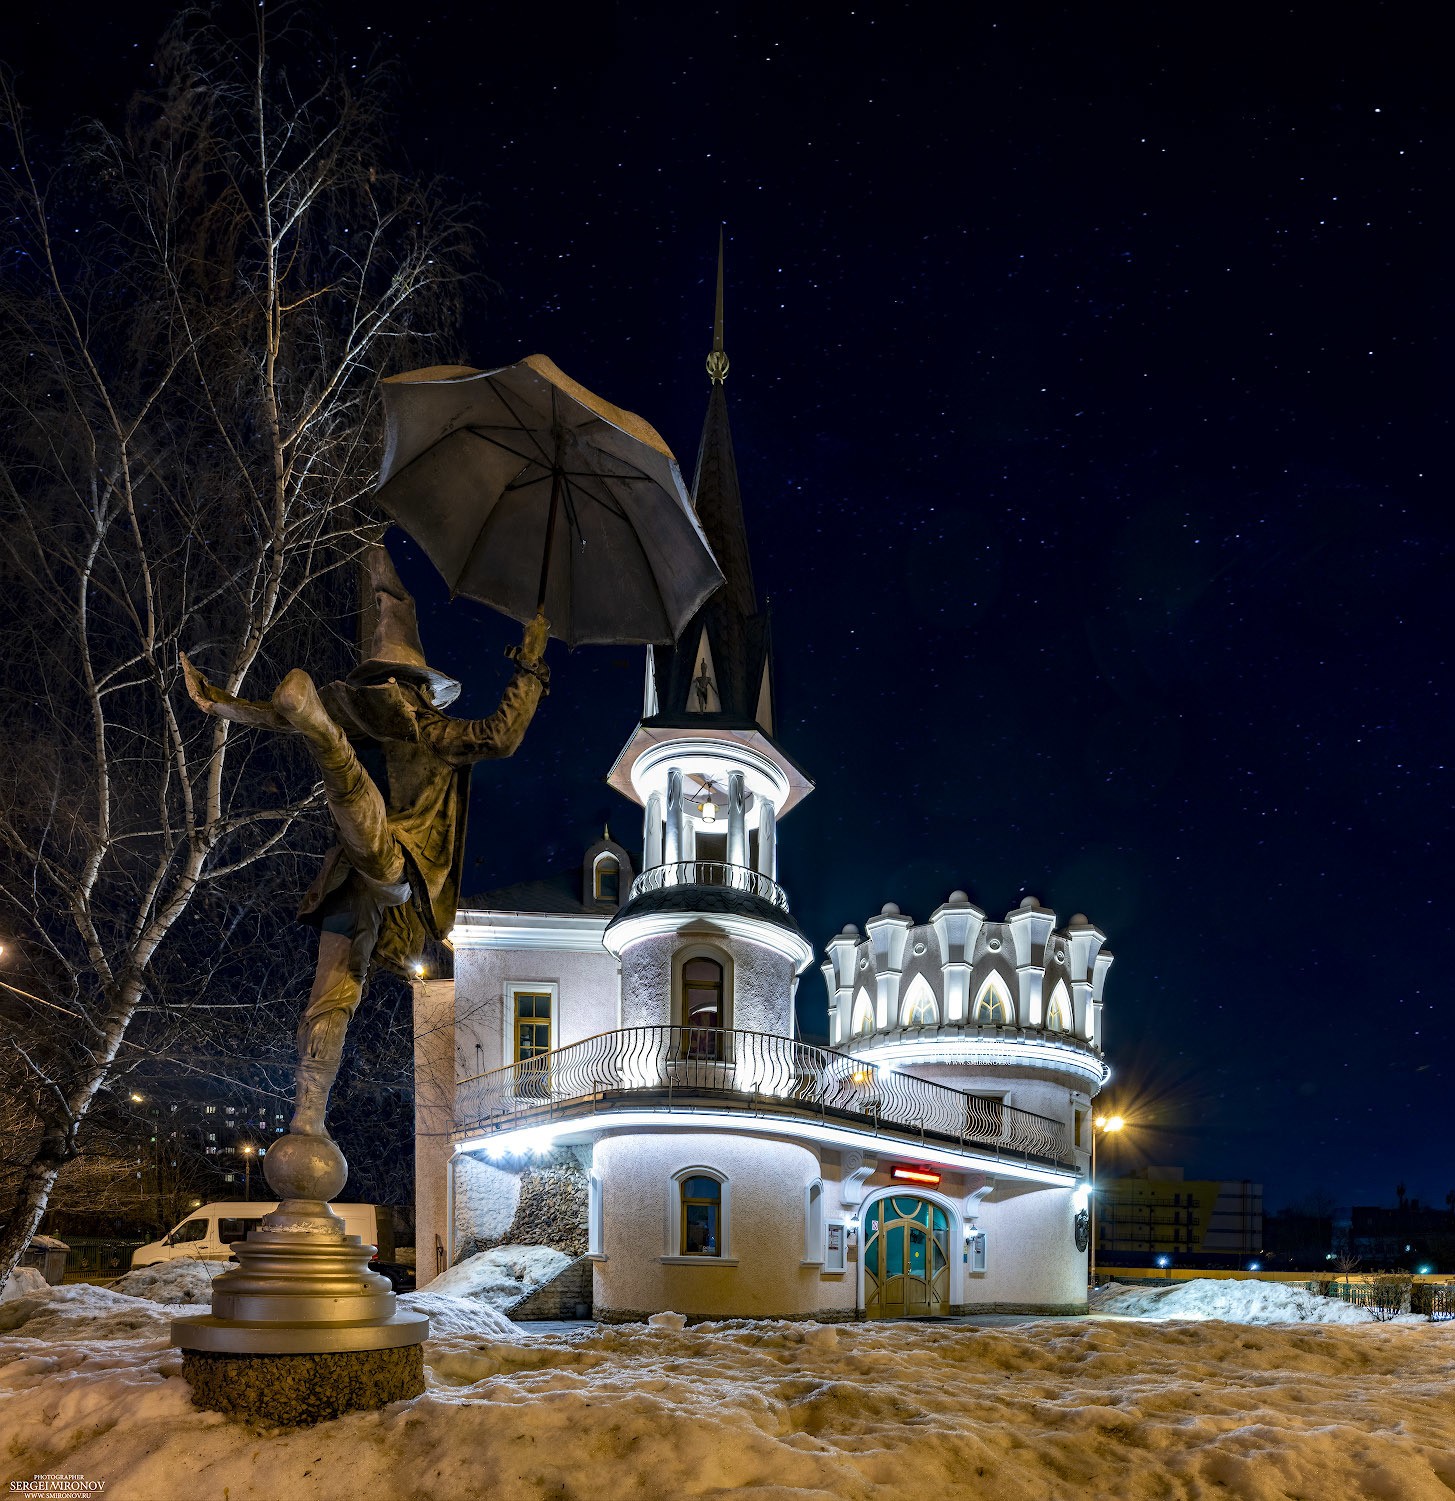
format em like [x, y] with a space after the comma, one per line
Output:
[528, 492]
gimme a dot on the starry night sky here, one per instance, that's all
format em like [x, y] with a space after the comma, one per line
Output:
[1092, 426]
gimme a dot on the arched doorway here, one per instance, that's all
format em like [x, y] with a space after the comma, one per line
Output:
[906, 1258]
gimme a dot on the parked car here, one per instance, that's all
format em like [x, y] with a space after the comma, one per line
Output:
[208, 1233]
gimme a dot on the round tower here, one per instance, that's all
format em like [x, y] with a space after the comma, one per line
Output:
[705, 939]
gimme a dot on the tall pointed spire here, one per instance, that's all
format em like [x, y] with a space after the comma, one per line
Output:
[717, 361]
[720, 664]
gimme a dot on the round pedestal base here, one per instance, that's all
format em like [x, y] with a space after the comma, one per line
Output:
[295, 1390]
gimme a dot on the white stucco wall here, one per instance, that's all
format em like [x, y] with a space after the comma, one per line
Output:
[1031, 1255]
[485, 1199]
[434, 1107]
[586, 1000]
[766, 1233]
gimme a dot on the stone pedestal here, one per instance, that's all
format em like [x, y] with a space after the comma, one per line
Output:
[302, 1330]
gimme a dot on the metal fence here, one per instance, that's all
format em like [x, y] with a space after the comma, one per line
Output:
[678, 1066]
[710, 873]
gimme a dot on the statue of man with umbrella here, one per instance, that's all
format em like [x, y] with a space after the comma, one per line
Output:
[533, 495]
[392, 882]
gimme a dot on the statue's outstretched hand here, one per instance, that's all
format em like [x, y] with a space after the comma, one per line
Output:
[537, 633]
[224, 705]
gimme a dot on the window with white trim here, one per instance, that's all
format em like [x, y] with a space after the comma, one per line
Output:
[920, 1008]
[1058, 1013]
[606, 879]
[595, 1221]
[992, 1004]
[699, 1216]
[813, 1222]
[863, 1014]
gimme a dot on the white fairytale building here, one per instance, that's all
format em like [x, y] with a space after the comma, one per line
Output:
[614, 1067]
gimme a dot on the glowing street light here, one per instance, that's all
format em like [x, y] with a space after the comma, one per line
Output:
[248, 1151]
[137, 1099]
[1110, 1124]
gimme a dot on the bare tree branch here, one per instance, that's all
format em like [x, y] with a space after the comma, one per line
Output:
[196, 311]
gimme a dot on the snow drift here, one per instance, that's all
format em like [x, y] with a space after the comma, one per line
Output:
[174, 1281]
[1238, 1302]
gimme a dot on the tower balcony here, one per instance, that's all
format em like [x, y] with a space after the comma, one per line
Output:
[711, 873]
[658, 1075]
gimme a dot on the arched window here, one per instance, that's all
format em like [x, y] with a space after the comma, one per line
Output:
[1058, 1013]
[701, 1198]
[813, 1222]
[607, 879]
[863, 1014]
[992, 1005]
[702, 1006]
[919, 1009]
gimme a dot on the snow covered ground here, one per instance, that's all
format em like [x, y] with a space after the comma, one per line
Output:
[1241, 1302]
[1124, 1407]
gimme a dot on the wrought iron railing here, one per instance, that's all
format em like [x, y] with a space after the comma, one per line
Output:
[710, 873]
[693, 1067]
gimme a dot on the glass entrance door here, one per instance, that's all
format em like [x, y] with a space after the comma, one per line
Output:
[906, 1258]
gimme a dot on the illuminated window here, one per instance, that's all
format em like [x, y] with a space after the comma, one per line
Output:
[992, 1005]
[702, 1006]
[920, 1009]
[701, 1216]
[532, 1024]
[608, 879]
[1058, 1013]
[863, 1014]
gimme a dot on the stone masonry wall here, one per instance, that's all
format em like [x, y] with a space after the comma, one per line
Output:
[565, 1296]
[551, 1210]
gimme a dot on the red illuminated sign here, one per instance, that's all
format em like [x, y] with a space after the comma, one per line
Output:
[914, 1175]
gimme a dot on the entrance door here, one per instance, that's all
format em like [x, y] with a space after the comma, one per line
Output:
[906, 1258]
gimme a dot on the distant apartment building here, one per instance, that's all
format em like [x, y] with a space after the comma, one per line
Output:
[1157, 1210]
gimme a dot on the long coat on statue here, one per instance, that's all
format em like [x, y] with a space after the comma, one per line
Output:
[425, 779]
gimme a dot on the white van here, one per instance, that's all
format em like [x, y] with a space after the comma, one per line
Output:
[207, 1233]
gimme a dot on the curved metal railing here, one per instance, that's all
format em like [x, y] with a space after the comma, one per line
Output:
[680, 1067]
[710, 873]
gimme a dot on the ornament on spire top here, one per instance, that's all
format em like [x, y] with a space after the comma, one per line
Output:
[717, 361]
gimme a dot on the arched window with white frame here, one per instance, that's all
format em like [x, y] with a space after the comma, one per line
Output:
[1058, 1013]
[699, 1215]
[863, 1024]
[920, 1008]
[606, 879]
[992, 1004]
[813, 1223]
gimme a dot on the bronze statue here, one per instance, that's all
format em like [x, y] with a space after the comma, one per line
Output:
[393, 880]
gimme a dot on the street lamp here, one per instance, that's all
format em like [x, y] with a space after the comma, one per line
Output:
[247, 1151]
[1109, 1124]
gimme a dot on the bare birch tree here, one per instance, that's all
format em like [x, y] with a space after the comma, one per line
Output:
[195, 311]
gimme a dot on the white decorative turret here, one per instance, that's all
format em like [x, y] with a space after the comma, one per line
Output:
[961, 992]
[888, 935]
[957, 927]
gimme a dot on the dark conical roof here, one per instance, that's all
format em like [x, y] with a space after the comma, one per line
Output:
[720, 664]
